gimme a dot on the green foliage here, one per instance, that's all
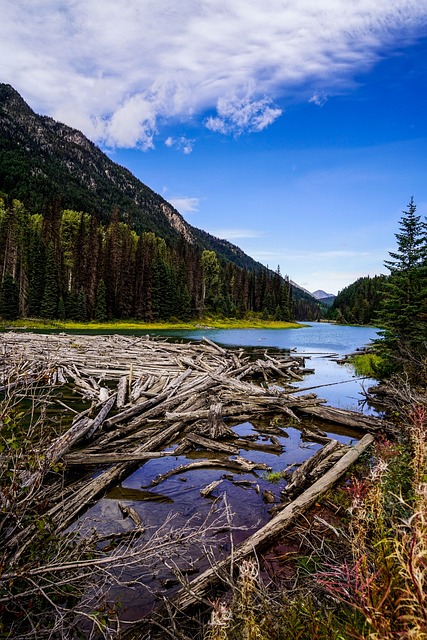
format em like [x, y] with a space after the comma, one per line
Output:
[101, 303]
[9, 298]
[367, 364]
[50, 300]
[403, 312]
[359, 302]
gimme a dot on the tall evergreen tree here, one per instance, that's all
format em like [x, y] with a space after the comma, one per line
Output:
[403, 314]
[101, 304]
[9, 298]
[49, 304]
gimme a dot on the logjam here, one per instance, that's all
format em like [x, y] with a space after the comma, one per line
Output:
[167, 395]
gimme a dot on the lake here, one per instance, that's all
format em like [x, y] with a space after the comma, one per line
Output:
[179, 497]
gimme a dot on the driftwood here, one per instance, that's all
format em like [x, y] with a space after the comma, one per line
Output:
[209, 488]
[173, 391]
[198, 589]
[313, 468]
[236, 464]
[130, 512]
[211, 445]
[102, 459]
[346, 418]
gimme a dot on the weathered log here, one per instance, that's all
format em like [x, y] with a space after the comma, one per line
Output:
[347, 418]
[196, 590]
[216, 427]
[122, 388]
[130, 512]
[209, 488]
[98, 459]
[236, 464]
[312, 468]
[211, 445]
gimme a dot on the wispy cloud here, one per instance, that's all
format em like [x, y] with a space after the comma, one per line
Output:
[236, 234]
[319, 98]
[182, 144]
[240, 115]
[120, 70]
[185, 204]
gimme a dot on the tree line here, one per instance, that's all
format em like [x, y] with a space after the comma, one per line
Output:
[359, 302]
[65, 264]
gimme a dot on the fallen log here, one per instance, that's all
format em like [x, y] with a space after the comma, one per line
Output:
[312, 468]
[129, 512]
[98, 459]
[346, 418]
[199, 589]
[236, 464]
[122, 389]
[211, 445]
[209, 488]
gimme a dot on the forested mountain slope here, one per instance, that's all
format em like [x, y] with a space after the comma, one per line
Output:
[359, 302]
[49, 172]
[42, 160]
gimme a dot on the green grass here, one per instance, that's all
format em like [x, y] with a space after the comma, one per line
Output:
[367, 364]
[204, 323]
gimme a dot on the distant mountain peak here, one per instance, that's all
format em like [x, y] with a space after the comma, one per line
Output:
[320, 294]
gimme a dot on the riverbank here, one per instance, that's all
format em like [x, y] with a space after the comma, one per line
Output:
[134, 325]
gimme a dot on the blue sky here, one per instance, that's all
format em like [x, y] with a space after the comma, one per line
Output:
[296, 130]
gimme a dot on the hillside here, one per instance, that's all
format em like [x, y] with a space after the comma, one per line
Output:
[41, 160]
[359, 302]
[47, 165]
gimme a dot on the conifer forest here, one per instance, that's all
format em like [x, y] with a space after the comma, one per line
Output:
[64, 264]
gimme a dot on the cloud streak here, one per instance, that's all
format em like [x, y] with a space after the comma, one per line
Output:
[185, 204]
[120, 70]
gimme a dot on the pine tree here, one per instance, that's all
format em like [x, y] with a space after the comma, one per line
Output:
[403, 313]
[101, 304]
[81, 311]
[9, 298]
[49, 305]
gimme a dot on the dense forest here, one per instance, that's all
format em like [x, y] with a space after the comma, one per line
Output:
[68, 265]
[359, 302]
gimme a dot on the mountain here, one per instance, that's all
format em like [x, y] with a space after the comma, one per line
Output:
[320, 294]
[41, 160]
[327, 299]
[44, 161]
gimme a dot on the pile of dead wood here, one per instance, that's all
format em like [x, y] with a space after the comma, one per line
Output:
[148, 395]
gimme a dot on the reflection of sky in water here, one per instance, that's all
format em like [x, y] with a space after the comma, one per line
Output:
[319, 342]
[250, 512]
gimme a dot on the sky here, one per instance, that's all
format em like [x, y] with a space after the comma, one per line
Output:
[295, 129]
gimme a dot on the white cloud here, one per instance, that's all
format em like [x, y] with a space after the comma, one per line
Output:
[235, 234]
[119, 70]
[239, 115]
[182, 143]
[185, 204]
[319, 98]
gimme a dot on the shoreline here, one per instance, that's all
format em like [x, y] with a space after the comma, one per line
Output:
[205, 323]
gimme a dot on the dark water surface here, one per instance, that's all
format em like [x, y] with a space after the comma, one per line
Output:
[179, 495]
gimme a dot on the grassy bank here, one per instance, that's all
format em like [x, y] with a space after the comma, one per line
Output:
[367, 364]
[133, 325]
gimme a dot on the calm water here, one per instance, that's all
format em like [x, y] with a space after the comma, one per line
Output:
[320, 342]
[180, 496]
